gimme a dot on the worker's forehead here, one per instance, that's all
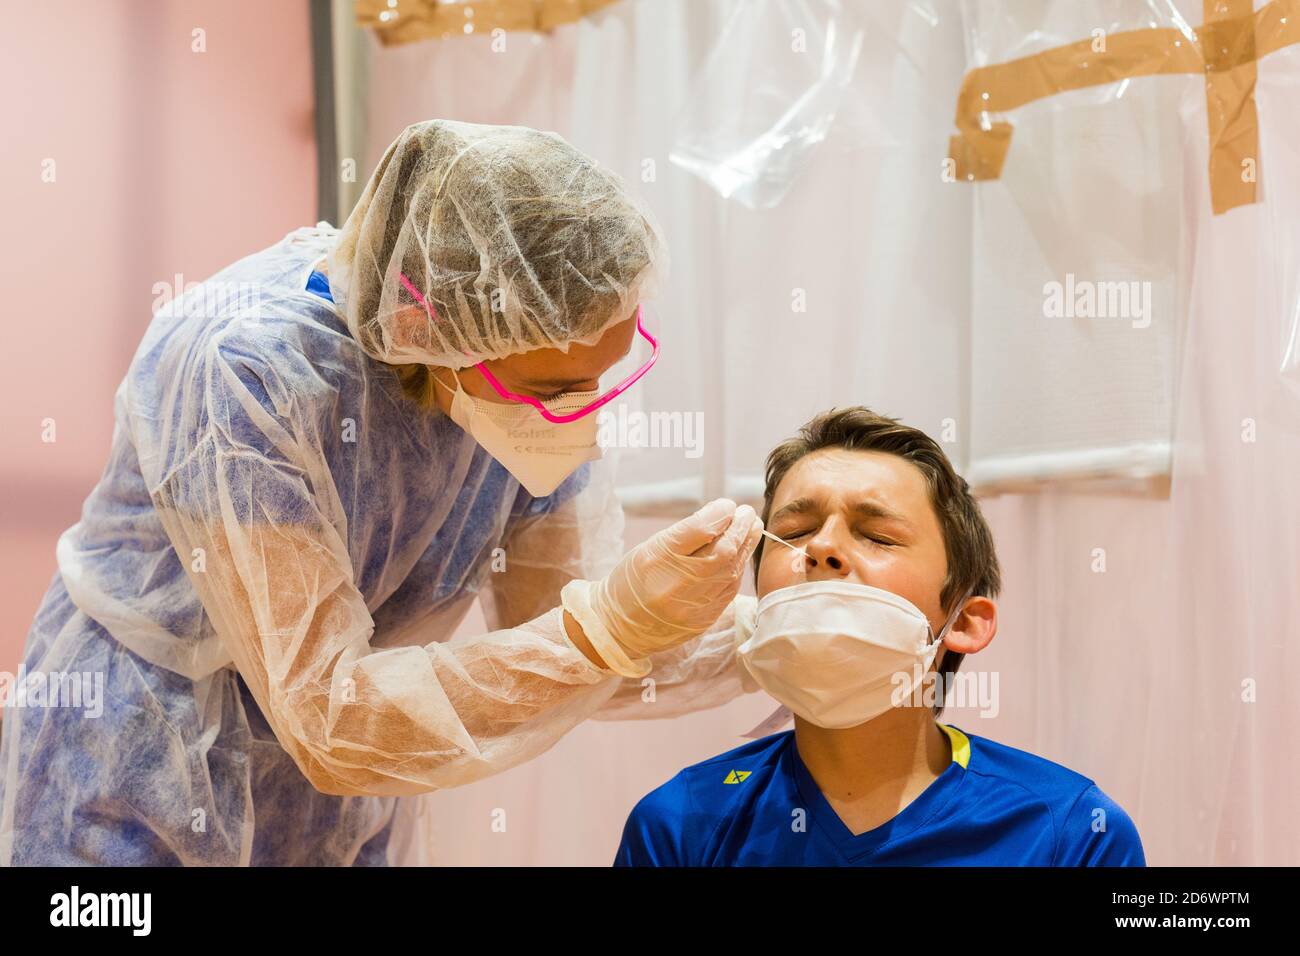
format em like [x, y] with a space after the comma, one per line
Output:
[580, 361]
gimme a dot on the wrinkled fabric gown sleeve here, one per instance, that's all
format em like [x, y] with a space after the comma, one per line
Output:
[583, 538]
[268, 556]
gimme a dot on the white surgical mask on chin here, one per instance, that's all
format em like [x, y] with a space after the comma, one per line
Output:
[830, 651]
[540, 454]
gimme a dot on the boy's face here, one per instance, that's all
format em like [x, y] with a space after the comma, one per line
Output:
[862, 516]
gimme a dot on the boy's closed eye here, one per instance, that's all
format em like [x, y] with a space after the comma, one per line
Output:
[866, 533]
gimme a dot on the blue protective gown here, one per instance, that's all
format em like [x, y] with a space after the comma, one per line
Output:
[249, 414]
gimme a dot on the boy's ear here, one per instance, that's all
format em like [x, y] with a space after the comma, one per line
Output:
[974, 627]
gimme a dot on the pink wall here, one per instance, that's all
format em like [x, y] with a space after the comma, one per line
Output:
[166, 161]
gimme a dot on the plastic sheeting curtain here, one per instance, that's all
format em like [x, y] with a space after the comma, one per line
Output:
[822, 257]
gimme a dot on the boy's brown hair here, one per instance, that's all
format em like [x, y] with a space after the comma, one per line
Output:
[968, 542]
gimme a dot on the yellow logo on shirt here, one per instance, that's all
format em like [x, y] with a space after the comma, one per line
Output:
[737, 776]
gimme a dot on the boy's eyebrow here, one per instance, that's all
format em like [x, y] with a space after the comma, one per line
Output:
[873, 509]
[865, 508]
[797, 507]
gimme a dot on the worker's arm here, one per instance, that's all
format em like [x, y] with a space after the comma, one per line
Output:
[582, 538]
[248, 512]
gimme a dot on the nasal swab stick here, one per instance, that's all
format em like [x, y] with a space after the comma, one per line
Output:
[797, 550]
[786, 543]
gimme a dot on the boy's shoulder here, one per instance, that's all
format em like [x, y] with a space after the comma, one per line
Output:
[671, 823]
[730, 768]
[1039, 775]
[1090, 826]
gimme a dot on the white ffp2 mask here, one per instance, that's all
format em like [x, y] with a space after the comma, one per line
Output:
[540, 454]
[839, 653]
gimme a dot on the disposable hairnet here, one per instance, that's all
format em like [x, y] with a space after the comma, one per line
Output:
[268, 576]
[514, 239]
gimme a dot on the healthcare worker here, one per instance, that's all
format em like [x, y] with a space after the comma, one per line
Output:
[295, 517]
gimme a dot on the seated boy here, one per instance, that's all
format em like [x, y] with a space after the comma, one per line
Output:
[868, 776]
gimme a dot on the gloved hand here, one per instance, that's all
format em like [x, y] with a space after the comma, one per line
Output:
[667, 589]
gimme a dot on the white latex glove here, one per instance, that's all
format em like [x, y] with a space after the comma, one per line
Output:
[668, 589]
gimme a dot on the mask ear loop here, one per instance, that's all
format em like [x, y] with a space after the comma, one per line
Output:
[454, 377]
[952, 617]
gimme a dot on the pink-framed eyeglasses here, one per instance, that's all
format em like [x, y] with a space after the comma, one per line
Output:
[546, 413]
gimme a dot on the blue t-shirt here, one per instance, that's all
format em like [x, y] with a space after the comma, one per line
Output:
[758, 805]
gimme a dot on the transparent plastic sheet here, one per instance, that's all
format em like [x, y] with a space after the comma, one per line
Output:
[1091, 132]
[778, 80]
[776, 104]
[761, 109]
[1188, 598]
[1064, 397]
[1165, 679]
[1163, 671]
[1092, 53]
[1279, 270]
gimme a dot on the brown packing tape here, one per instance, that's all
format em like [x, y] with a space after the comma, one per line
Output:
[1228, 39]
[1225, 49]
[412, 20]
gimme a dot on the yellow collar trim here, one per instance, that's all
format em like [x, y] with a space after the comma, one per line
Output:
[960, 745]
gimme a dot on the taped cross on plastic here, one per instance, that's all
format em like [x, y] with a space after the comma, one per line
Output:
[1225, 50]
